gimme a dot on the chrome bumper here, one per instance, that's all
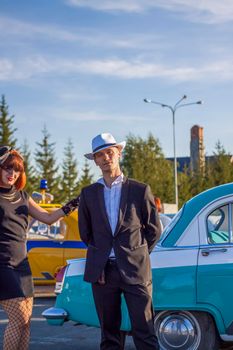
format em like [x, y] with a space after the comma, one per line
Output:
[55, 316]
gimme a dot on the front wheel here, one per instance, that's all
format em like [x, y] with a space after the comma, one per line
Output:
[185, 330]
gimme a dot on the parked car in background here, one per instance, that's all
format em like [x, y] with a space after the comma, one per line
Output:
[192, 269]
[164, 220]
[49, 246]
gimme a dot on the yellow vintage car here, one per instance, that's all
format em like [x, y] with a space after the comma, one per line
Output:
[49, 246]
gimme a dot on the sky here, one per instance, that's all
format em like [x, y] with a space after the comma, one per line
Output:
[82, 67]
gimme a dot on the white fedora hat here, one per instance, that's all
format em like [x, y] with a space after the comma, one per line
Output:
[102, 141]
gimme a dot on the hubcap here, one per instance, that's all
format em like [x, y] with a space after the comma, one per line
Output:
[177, 330]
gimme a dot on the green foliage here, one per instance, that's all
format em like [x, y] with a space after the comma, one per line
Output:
[46, 167]
[86, 177]
[185, 186]
[144, 161]
[198, 182]
[220, 169]
[32, 180]
[6, 125]
[69, 182]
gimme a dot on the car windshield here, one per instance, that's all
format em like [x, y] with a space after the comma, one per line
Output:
[172, 223]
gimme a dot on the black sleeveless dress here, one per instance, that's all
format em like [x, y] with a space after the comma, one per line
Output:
[15, 272]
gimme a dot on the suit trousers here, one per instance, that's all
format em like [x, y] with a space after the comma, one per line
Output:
[138, 298]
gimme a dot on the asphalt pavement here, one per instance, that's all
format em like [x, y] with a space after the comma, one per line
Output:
[66, 337]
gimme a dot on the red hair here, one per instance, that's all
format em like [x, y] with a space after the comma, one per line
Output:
[158, 204]
[15, 160]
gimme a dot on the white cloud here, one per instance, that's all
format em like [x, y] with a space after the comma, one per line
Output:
[23, 69]
[38, 66]
[79, 95]
[109, 5]
[68, 113]
[6, 68]
[13, 28]
[17, 28]
[209, 11]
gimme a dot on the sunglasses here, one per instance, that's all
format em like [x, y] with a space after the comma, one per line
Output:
[9, 169]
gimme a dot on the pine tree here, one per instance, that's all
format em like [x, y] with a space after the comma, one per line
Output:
[218, 170]
[46, 167]
[69, 182]
[32, 181]
[221, 167]
[6, 125]
[144, 161]
[198, 182]
[86, 178]
[184, 180]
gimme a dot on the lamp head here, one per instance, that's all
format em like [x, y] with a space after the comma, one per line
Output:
[200, 102]
[147, 100]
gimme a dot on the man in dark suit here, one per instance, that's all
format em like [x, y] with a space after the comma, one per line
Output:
[119, 223]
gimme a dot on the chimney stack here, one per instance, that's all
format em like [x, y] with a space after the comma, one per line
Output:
[197, 149]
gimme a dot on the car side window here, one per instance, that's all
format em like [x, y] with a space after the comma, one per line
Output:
[219, 225]
[39, 230]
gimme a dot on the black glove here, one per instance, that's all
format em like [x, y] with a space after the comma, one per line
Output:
[71, 205]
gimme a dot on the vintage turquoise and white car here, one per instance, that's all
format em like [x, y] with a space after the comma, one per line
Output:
[192, 266]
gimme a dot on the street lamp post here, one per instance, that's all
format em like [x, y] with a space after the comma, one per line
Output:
[173, 110]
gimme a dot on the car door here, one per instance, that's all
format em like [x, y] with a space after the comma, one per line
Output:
[45, 246]
[215, 260]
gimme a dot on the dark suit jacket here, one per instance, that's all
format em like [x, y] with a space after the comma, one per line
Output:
[136, 233]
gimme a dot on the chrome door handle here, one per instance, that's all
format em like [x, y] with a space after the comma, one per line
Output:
[206, 252]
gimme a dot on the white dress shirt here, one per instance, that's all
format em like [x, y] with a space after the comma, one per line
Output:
[112, 196]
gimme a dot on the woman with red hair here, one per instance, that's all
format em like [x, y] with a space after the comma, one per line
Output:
[16, 287]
